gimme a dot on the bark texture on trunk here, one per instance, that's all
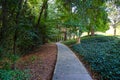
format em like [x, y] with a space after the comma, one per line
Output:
[78, 40]
[92, 31]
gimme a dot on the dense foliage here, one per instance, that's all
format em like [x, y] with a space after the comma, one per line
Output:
[18, 33]
[103, 54]
[14, 75]
[27, 24]
[88, 15]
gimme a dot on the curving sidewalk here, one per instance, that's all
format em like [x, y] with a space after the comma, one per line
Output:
[68, 66]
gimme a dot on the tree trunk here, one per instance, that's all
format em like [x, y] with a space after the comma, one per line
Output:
[65, 36]
[80, 32]
[14, 41]
[114, 31]
[16, 28]
[4, 19]
[88, 33]
[44, 27]
[40, 14]
[92, 31]
[78, 40]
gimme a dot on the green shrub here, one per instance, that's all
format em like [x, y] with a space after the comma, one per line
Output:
[14, 75]
[27, 41]
[8, 61]
[6, 64]
[103, 54]
[69, 42]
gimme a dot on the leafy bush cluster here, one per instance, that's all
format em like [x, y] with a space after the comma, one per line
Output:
[14, 75]
[69, 42]
[103, 54]
[8, 70]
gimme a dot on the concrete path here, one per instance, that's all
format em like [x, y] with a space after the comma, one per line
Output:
[68, 66]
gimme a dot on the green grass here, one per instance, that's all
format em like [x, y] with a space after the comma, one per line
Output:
[103, 54]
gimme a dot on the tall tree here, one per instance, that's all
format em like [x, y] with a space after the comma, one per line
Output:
[20, 4]
[41, 11]
[38, 25]
[113, 14]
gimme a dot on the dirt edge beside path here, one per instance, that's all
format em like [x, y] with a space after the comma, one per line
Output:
[41, 63]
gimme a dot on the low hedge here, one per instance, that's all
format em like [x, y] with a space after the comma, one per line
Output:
[70, 42]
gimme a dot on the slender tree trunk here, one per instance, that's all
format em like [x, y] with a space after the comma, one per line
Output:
[115, 31]
[78, 40]
[44, 27]
[40, 14]
[88, 33]
[65, 36]
[4, 19]
[14, 41]
[92, 31]
[16, 28]
[4, 13]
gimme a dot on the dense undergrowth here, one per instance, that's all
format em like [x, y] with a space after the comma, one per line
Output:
[8, 70]
[14, 75]
[103, 55]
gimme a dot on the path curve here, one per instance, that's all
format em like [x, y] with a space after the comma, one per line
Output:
[68, 66]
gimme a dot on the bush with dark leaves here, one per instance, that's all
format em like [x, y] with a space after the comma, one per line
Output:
[103, 54]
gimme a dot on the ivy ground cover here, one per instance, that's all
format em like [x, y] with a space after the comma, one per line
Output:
[103, 55]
